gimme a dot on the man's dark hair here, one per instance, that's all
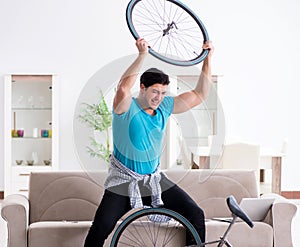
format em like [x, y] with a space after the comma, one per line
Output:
[153, 76]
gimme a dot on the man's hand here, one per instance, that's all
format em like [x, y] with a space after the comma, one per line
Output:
[208, 46]
[142, 45]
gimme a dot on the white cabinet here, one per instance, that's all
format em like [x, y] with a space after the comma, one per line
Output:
[31, 128]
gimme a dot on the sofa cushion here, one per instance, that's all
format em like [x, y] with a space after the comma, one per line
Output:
[71, 196]
[210, 188]
[72, 234]
[58, 233]
[241, 234]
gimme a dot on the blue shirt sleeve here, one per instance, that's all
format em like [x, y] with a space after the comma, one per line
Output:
[167, 105]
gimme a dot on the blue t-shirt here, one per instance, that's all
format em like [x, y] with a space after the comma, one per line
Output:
[138, 136]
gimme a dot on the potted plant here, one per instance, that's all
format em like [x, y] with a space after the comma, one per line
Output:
[98, 117]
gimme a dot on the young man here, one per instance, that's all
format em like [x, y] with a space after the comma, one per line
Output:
[138, 128]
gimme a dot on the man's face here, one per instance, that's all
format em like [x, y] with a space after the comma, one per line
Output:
[153, 95]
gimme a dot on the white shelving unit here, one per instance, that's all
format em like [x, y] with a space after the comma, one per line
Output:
[30, 105]
[192, 128]
[201, 121]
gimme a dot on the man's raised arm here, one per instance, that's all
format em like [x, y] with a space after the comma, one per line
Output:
[122, 99]
[190, 99]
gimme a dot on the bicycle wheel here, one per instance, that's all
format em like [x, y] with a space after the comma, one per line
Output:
[175, 34]
[139, 229]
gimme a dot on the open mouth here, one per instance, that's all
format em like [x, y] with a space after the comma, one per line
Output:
[155, 102]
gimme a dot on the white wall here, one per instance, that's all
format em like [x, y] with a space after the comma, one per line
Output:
[256, 51]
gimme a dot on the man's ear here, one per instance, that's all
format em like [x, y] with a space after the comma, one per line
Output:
[142, 86]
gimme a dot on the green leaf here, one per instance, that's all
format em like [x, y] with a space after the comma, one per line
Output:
[99, 118]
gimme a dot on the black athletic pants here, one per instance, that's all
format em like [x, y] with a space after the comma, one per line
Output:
[115, 203]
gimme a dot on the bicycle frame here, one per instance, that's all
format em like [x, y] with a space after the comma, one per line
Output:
[223, 240]
[236, 212]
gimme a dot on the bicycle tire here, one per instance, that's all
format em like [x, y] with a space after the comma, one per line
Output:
[157, 234]
[182, 44]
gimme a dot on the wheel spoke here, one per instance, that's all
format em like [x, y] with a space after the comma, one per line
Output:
[148, 228]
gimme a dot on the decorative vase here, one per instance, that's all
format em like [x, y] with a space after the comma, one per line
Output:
[35, 158]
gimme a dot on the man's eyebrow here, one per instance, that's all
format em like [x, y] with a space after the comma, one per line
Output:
[161, 91]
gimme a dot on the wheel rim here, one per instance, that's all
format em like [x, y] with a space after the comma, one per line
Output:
[137, 230]
[174, 33]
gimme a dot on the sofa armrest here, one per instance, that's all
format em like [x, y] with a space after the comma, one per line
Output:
[15, 211]
[282, 214]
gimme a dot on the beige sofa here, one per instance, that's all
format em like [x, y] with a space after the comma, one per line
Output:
[61, 206]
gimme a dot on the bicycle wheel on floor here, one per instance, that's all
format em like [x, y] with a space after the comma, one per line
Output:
[151, 227]
[174, 32]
